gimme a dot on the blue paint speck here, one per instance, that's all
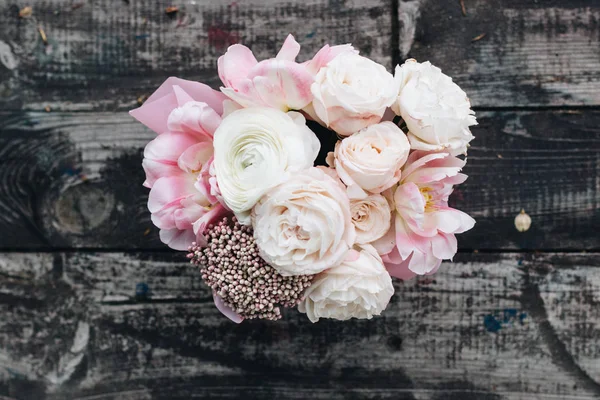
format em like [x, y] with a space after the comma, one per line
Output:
[491, 323]
[141, 290]
[142, 36]
[522, 317]
[509, 314]
[311, 35]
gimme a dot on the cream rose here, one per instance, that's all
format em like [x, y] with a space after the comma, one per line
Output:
[371, 159]
[304, 225]
[257, 149]
[436, 110]
[371, 217]
[359, 287]
[352, 92]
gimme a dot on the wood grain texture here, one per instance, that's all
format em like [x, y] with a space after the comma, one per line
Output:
[487, 327]
[534, 53]
[107, 53]
[73, 180]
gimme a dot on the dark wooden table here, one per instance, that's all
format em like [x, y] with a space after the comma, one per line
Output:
[93, 306]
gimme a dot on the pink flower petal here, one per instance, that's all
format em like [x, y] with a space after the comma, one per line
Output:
[154, 113]
[168, 190]
[290, 49]
[325, 55]
[397, 267]
[226, 310]
[235, 64]
[177, 239]
[194, 157]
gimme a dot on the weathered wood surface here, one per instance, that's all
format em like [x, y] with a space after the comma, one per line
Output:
[486, 327]
[73, 180]
[534, 53]
[107, 53]
[82, 321]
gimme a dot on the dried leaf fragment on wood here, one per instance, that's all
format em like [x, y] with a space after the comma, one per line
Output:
[47, 109]
[76, 6]
[141, 99]
[463, 8]
[478, 37]
[25, 12]
[43, 35]
[171, 10]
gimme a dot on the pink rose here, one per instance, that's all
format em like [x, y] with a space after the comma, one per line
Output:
[278, 82]
[370, 160]
[423, 233]
[186, 115]
[351, 92]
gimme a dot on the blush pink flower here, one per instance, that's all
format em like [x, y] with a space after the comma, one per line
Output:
[186, 115]
[278, 82]
[424, 228]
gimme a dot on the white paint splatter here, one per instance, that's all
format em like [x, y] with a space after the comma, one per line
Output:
[7, 58]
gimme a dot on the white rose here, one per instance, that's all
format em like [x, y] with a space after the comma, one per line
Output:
[352, 92]
[359, 287]
[436, 110]
[257, 149]
[371, 159]
[304, 225]
[372, 218]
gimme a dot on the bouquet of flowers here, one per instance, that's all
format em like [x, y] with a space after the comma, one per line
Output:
[308, 184]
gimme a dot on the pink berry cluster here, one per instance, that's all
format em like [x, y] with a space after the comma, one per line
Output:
[231, 266]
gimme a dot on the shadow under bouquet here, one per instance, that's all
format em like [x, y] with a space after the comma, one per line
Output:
[311, 184]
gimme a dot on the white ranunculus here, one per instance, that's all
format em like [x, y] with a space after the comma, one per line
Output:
[257, 149]
[436, 110]
[372, 218]
[371, 159]
[359, 287]
[304, 225]
[352, 92]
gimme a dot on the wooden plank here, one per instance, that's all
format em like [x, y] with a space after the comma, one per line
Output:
[106, 53]
[73, 180]
[534, 53]
[489, 326]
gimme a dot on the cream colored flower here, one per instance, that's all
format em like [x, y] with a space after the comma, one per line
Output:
[257, 149]
[304, 225]
[436, 110]
[352, 92]
[359, 287]
[371, 216]
[371, 159]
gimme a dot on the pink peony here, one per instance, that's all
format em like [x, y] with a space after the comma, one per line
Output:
[424, 228]
[185, 115]
[278, 82]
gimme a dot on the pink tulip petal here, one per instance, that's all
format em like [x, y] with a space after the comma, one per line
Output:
[168, 190]
[195, 156]
[158, 169]
[181, 96]
[177, 239]
[226, 310]
[325, 55]
[290, 49]
[397, 267]
[282, 84]
[154, 113]
[444, 246]
[235, 64]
